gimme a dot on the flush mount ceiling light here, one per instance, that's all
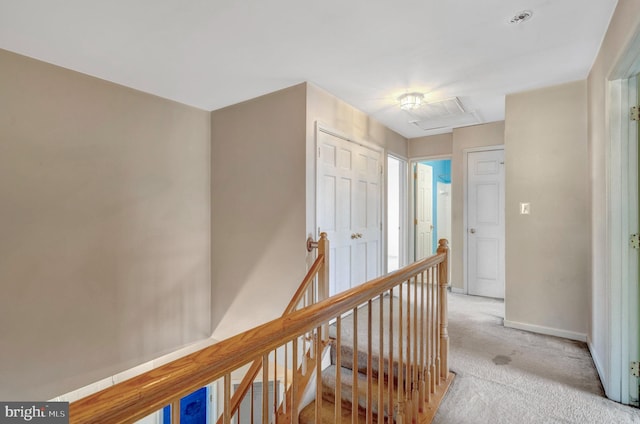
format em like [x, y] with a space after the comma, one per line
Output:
[410, 101]
[525, 15]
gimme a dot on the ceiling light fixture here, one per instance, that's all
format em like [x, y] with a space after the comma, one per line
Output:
[410, 101]
[525, 15]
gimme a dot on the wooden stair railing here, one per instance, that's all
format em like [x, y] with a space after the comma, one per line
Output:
[403, 362]
[314, 287]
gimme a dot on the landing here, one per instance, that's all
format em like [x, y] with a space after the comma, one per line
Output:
[505, 375]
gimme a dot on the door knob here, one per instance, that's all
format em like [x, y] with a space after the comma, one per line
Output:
[472, 230]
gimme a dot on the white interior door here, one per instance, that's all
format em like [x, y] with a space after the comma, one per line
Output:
[424, 210]
[485, 223]
[348, 209]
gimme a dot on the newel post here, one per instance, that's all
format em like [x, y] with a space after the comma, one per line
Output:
[323, 273]
[443, 279]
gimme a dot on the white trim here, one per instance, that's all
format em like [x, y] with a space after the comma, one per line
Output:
[549, 331]
[403, 200]
[465, 233]
[596, 359]
[328, 130]
[622, 264]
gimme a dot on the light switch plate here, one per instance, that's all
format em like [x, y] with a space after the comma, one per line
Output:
[525, 208]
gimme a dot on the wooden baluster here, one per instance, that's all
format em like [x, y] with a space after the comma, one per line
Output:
[415, 403]
[286, 379]
[175, 411]
[401, 404]
[323, 277]
[407, 366]
[265, 388]
[275, 381]
[338, 390]
[390, 359]
[252, 408]
[381, 361]
[437, 328]
[354, 380]
[318, 358]
[227, 404]
[432, 334]
[369, 364]
[423, 340]
[444, 323]
[294, 383]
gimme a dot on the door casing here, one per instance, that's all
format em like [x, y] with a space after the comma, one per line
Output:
[412, 200]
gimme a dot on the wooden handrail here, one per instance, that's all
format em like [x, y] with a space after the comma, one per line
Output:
[318, 265]
[140, 396]
[308, 279]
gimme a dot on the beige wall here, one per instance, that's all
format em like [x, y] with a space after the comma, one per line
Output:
[263, 197]
[491, 134]
[433, 145]
[258, 208]
[624, 23]
[104, 228]
[548, 251]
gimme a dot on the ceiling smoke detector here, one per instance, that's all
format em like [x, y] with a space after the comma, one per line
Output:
[525, 15]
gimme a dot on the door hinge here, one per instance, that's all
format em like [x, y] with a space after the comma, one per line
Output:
[415, 175]
[381, 172]
[635, 241]
[415, 221]
[635, 113]
[635, 369]
[318, 152]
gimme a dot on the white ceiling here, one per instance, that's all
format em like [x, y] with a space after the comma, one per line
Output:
[214, 53]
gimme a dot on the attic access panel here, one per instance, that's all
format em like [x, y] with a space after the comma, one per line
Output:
[448, 113]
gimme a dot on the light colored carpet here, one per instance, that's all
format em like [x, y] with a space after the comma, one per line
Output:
[511, 376]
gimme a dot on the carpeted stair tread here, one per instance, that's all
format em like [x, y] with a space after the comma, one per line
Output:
[327, 414]
[346, 360]
[346, 387]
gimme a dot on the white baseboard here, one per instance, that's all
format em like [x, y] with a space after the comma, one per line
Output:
[546, 330]
[598, 363]
[457, 290]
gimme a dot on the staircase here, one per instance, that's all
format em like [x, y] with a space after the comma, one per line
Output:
[362, 370]
[377, 352]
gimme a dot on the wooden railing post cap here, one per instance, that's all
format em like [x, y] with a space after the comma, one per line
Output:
[443, 245]
[323, 235]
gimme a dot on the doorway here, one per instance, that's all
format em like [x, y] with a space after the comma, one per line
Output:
[431, 205]
[623, 316]
[396, 213]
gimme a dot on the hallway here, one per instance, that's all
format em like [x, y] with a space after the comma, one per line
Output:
[510, 376]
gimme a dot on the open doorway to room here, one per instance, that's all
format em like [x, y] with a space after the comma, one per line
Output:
[396, 213]
[431, 205]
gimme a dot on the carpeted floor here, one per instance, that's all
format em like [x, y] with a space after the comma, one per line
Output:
[511, 376]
